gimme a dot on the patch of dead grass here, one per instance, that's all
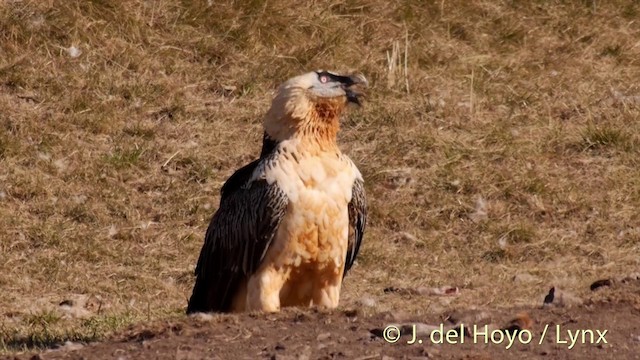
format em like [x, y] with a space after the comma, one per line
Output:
[515, 148]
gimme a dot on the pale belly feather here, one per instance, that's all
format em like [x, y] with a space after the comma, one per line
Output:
[305, 262]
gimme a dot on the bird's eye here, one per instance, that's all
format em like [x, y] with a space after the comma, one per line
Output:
[324, 79]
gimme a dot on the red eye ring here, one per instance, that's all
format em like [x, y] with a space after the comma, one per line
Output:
[324, 79]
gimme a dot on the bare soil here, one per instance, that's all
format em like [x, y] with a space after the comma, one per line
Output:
[499, 143]
[604, 326]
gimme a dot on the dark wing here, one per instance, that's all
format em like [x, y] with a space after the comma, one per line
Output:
[237, 239]
[357, 223]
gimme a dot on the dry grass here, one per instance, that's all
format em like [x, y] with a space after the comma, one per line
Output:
[511, 146]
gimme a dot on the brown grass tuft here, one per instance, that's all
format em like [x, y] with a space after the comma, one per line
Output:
[513, 147]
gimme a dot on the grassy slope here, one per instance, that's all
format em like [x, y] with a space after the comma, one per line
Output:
[510, 146]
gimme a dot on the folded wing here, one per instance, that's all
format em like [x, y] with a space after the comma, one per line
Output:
[357, 223]
[237, 239]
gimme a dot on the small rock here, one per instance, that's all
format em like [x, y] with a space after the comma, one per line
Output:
[228, 89]
[524, 278]
[430, 352]
[37, 22]
[442, 291]
[470, 317]
[323, 336]
[113, 231]
[71, 346]
[481, 212]
[79, 199]
[567, 299]
[405, 238]
[305, 353]
[550, 296]
[298, 318]
[630, 278]
[60, 164]
[351, 313]
[561, 298]
[600, 283]
[75, 307]
[283, 357]
[74, 52]
[203, 317]
[522, 321]
[393, 289]
[398, 178]
[67, 302]
[502, 242]
[367, 301]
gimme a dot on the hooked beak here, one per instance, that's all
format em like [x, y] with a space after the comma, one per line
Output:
[351, 85]
[353, 90]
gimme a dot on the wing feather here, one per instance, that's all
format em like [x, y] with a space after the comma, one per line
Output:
[357, 223]
[236, 240]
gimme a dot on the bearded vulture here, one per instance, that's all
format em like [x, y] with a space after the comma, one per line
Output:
[290, 224]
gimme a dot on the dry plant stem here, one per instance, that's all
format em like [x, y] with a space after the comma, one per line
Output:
[501, 136]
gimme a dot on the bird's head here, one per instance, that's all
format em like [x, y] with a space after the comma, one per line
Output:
[312, 103]
[325, 86]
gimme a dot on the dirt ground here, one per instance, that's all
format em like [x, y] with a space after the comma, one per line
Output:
[499, 142]
[604, 326]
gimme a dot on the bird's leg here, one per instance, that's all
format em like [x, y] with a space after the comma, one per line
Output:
[326, 292]
[263, 290]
